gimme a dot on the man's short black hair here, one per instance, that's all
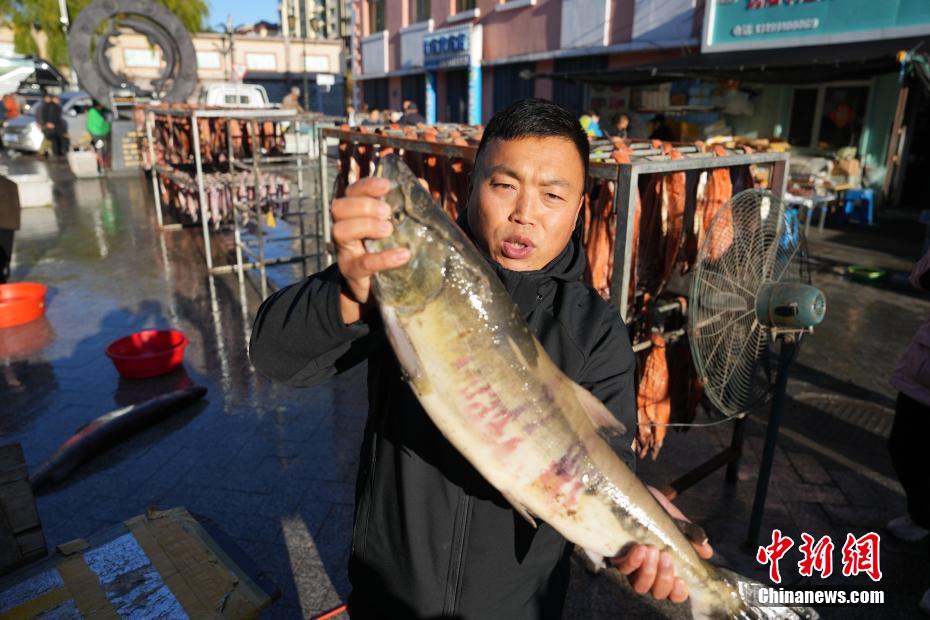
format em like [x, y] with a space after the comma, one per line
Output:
[536, 118]
[412, 107]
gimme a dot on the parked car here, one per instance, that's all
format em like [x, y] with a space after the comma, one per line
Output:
[24, 134]
[29, 76]
[234, 95]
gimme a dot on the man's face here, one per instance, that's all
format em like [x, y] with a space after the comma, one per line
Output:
[623, 123]
[526, 200]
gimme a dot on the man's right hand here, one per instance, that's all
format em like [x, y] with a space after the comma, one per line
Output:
[362, 215]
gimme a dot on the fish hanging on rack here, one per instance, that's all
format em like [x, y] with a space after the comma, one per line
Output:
[673, 215]
[650, 260]
[433, 168]
[458, 181]
[716, 192]
[652, 401]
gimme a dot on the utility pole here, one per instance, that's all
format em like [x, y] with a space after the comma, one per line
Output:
[230, 56]
[65, 22]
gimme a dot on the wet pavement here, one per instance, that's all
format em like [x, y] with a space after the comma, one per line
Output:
[275, 466]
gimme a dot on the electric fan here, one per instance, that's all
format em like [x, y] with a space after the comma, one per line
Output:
[750, 290]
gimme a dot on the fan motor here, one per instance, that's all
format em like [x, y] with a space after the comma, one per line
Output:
[790, 305]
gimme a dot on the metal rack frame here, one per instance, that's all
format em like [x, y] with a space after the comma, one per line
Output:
[292, 163]
[649, 160]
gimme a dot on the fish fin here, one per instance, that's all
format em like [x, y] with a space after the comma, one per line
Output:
[520, 508]
[692, 531]
[600, 416]
[597, 560]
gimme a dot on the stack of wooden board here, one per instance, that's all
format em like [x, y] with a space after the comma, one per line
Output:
[163, 564]
[21, 538]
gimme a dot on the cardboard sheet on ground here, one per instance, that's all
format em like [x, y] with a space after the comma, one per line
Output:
[161, 564]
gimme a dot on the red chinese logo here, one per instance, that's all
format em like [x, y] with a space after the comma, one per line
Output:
[860, 555]
[773, 553]
[817, 557]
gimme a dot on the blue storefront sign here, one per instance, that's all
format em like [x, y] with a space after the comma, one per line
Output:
[449, 47]
[459, 46]
[756, 24]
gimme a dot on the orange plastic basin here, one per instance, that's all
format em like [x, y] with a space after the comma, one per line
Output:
[21, 302]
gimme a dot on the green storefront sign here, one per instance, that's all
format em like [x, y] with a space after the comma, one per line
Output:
[755, 24]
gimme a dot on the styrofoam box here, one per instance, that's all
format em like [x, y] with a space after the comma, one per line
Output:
[33, 190]
[83, 164]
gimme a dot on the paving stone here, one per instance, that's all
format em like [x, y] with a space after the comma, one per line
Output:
[809, 468]
[803, 492]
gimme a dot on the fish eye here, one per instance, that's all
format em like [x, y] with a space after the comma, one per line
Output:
[397, 215]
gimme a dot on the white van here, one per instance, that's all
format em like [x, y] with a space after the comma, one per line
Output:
[234, 95]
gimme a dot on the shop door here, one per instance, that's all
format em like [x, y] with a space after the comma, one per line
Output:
[803, 108]
[914, 187]
[457, 96]
[509, 86]
[413, 88]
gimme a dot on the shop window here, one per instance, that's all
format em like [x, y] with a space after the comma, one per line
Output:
[376, 93]
[464, 5]
[843, 113]
[574, 95]
[375, 16]
[419, 10]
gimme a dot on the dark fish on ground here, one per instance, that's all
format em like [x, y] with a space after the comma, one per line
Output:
[100, 434]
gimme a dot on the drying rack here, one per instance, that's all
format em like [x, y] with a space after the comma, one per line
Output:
[250, 253]
[646, 159]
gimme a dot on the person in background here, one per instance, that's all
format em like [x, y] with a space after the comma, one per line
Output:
[590, 122]
[620, 126]
[99, 129]
[48, 116]
[9, 224]
[291, 100]
[374, 117]
[660, 130]
[412, 115]
[10, 106]
[350, 115]
[906, 444]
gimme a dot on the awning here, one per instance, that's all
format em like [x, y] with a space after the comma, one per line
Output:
[797, 65]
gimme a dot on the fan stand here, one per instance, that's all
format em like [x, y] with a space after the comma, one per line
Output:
[788, 351]
[731, 456]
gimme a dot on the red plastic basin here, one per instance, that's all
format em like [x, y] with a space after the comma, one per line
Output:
[148, 353]
[21, 302]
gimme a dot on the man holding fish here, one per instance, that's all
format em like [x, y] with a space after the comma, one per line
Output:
[439, 530]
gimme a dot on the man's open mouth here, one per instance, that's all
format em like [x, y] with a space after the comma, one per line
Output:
[517, 247]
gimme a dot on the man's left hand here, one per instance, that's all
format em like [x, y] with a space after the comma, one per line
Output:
[650, 570]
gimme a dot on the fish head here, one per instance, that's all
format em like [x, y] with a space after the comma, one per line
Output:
[418, 222]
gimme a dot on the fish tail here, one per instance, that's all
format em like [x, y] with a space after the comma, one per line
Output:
[737, 597]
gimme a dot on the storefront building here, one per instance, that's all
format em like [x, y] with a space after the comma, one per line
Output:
[819, 75]
[462, 60]
[861, 101]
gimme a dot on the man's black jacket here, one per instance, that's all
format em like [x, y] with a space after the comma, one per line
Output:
[432, 538]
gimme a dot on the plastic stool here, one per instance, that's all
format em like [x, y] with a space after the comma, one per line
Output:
[859, 206]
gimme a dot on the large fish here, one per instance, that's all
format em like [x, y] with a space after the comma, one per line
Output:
[495, 394]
